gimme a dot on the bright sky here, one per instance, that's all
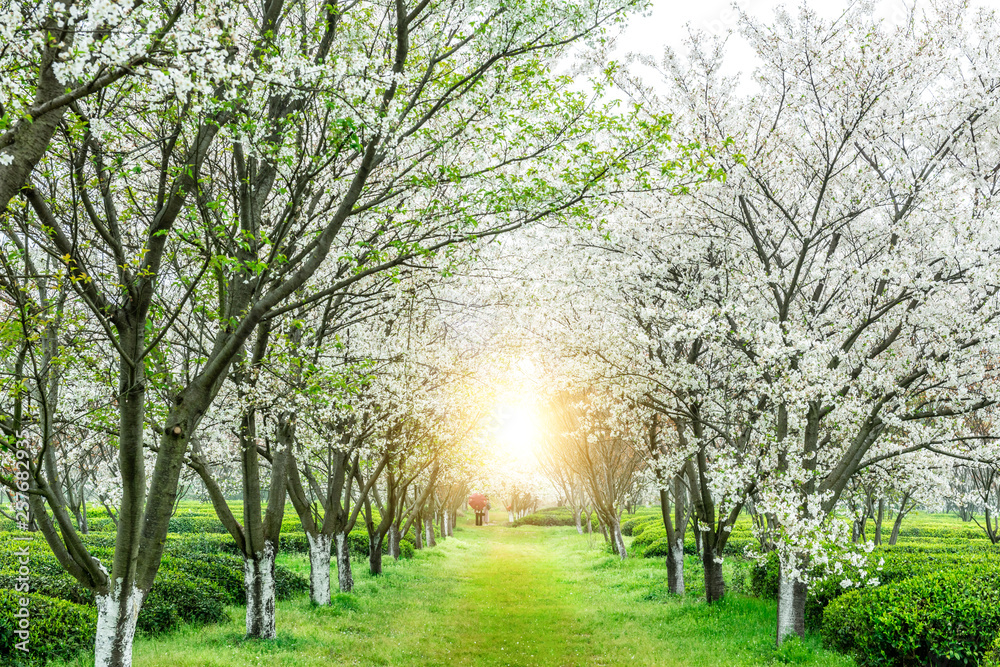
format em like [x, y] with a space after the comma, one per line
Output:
[666, 23]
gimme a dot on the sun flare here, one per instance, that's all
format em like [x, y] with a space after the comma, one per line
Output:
[518, 430]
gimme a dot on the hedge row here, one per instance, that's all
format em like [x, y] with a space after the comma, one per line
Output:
[196, 579]
[552, 516]
[943, 618]
[58, 629]
[935, 605]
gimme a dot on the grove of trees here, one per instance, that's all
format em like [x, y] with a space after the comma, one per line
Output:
[293, 252]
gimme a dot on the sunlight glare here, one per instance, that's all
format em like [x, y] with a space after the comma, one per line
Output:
[518, 431]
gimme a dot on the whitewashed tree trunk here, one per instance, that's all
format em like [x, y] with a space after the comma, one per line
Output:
[116, 619]
[258, 575]
[429, 530]
[320, 547]
[675, 567]
[616, 532]
[344, 578]
[791, 607]
[576, 517]
[451, 524]
[394, 541]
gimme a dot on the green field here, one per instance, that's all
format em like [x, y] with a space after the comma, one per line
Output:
[536, 594]
[496, 596]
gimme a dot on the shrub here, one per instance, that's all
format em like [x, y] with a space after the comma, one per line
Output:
[658, 549]
[62, 587]
[196, 600]
[157, 616]
[42, 562]
[99, 540]
[293, 542]
[647, 537]
[631, 523]
[185, 545]
[647, 523]
[287, 583]
[552, 516]
[764, 578]
[992, 656]
[101, 525]
[945, 617]
[223, 570]
[59, 629]
[406, 549]
[188, 523]
[357, 542]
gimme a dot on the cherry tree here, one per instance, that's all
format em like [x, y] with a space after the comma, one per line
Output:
[315, 128]
[847, 259]
[57, 54]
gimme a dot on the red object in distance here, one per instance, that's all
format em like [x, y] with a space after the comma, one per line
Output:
[478, 502]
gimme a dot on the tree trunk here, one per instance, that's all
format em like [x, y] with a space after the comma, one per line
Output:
[80, 513]
[118, 609]
[394, 541]
[878, 521]
[590, 524]
[429, 536]
[258, 575]
[344, 578]
[616, 532]
[675, 567]
[791, 607]
[116, 618]
[451, 523]
[320, 547]
[896, 525]
[418, 534]
[698, 540]
[576, 517]
[715, 585]
[375, 553]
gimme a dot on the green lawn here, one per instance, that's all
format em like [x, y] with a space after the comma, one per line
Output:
[496, 596]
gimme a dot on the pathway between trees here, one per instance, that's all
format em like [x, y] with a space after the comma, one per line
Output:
[514, 603]
[499, 597]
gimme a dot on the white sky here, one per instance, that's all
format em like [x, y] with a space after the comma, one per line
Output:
[666, 24]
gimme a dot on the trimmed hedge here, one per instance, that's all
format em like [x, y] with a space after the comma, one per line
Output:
[197, 600]
[61, 586]
[899, 564]
[59, 629]
[222, 570]
[406, 549]
[944, 618]
[552, 516]
[286, 583]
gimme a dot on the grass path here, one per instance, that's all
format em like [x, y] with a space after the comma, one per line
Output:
[513, 607]
[499, 597]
